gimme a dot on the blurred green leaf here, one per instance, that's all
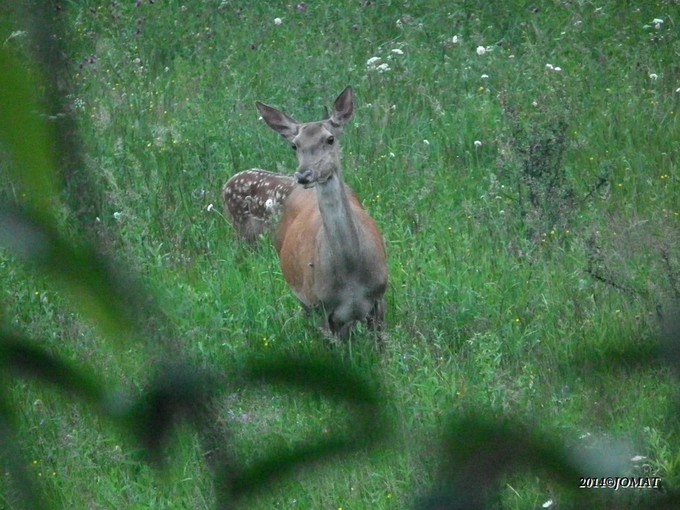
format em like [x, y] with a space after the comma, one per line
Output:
[179, 392]
[477, 450]
[99, 292]
[19, 356]
[327, 376]
[29, 230]
[25, 134]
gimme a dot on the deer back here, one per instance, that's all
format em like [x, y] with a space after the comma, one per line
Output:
[253, 200]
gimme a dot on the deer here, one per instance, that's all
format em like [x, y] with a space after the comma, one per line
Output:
[331, 251]
[253, 201]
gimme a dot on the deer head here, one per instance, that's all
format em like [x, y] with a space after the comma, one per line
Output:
[315, 143]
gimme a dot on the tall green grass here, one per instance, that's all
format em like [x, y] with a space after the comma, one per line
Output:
[529, 200]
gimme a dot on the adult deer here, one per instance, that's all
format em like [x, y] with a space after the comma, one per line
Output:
[331, 251]
[253, 199]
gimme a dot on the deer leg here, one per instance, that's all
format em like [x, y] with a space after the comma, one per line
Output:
[339, 330]
[375, 321]
[376, 317]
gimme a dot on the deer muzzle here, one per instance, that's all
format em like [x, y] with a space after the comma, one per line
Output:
[305, 177]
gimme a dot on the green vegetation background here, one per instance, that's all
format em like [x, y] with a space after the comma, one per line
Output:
[521, 159]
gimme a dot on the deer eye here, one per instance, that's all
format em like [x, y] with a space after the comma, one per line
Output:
[330, 140]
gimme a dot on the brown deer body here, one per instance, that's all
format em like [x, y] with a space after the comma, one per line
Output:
[253, 199]
[332, 252]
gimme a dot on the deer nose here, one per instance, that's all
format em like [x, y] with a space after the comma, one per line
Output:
[304, 176]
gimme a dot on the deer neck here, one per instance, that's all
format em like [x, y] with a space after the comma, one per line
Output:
[338, 220]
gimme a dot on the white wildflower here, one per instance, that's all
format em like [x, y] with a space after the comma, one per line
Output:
[392, 155]
[478, 144]
[484, 77]
[209, 208]
[549, 67]
[374, 63]
[548, 504]
[557, 69]
[455, 39]
[117, 215]
[397, 51]
[399, 23]
[638, 458]
[426, 142]
[653, 76]
[657, 23]
[481, 50]
[278, 21]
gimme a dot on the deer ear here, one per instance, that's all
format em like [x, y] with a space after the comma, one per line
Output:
[286, 126]
[344, 108]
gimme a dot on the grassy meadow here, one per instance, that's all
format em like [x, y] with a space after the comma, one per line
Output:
[521, 159]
